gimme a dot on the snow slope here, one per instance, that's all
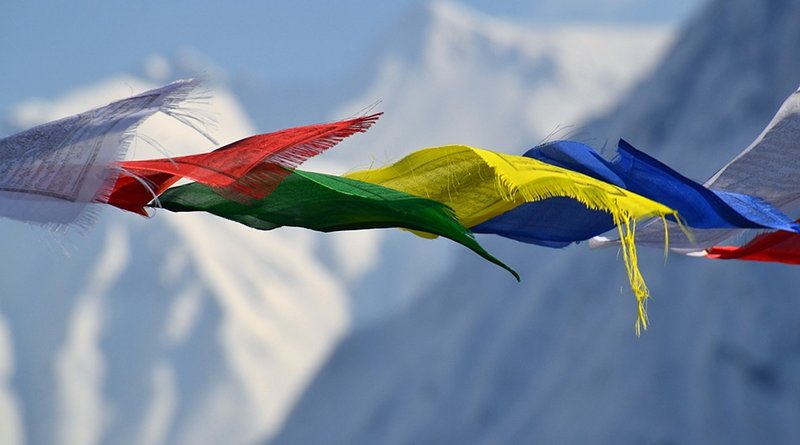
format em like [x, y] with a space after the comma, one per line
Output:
[179, 329]
[478, 358]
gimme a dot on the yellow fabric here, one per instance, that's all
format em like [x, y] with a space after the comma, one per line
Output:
[479, 184]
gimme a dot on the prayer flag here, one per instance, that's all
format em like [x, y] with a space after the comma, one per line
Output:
[328, 203]
[776, 247]
[50, 173]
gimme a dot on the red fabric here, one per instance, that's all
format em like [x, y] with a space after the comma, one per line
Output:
[776, 247]
[265, 160]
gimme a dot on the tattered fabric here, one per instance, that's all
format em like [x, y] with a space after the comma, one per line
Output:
[479, 185]
[50, 173]
[328, 203]
[244, 170]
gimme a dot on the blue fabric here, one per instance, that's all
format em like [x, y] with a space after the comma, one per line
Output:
[758, 211]
[559, 221]
[698, 206]
[554, 222]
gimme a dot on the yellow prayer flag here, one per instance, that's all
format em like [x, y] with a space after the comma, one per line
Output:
[480, 184]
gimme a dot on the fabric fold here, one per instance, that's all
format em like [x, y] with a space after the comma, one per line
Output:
[329, 203]
[769, 169]
[559, 222]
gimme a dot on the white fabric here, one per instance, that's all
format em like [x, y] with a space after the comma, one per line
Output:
[50, 173]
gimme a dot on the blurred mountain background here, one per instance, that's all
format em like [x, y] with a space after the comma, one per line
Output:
[186, 329]
[479, 359]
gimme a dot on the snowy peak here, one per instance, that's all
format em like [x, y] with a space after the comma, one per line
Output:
[442, 33]
[441, 25]
[447, 32]
[447, 74]
[717, 87]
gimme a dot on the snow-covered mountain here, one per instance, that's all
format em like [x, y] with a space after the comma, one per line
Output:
[186, 329]
[743, 66]
[478, 358]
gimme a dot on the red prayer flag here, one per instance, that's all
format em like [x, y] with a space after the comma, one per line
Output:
[247, 169]
[777, 247]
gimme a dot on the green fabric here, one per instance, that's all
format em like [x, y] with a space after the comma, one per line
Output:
[329, 203]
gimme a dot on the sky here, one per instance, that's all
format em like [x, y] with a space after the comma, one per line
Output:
[49, 47]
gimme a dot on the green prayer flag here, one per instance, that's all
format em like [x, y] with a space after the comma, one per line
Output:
[329, 203]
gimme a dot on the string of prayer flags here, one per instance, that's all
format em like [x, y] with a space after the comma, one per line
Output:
[557, 193]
